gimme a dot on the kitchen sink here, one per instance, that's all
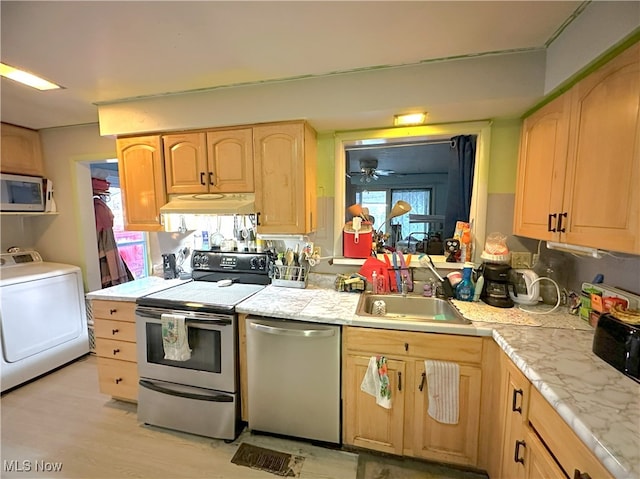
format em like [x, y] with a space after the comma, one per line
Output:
[409, 308]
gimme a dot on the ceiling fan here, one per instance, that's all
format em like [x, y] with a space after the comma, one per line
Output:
[369, 170]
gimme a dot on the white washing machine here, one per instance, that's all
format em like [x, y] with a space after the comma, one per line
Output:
[43, 322]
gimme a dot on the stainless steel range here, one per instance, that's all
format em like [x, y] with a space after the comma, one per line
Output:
[199, 393]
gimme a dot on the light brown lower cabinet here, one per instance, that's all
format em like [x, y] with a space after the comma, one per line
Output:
[537, 442]
[537, 462]
[115, 334]
[406, 428]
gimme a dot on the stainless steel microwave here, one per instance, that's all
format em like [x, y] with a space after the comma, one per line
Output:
[21, 193]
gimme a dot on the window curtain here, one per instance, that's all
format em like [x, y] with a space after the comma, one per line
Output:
[461, 167]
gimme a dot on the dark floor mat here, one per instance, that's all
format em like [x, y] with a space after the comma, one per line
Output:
[275, 462]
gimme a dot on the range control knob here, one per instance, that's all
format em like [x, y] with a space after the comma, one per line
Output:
[257, 262]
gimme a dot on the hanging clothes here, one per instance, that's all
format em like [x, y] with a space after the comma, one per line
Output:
[113, 269]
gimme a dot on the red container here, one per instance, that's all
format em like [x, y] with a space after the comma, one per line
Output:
[357, 245]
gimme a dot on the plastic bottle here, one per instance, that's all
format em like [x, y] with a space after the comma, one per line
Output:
[465, 289]
[465, 246]
[478, 288]
[205, 240]
[374, 282]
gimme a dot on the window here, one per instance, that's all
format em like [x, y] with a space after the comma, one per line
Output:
[380, 201]
[132, 245]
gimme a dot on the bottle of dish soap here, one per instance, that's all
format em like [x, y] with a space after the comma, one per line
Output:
[465, 288]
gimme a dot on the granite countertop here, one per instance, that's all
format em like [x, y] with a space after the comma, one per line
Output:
[552, 350]
[132, 290]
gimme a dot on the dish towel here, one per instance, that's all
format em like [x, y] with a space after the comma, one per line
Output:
[174, 338]
[376, 381]
[443, 381]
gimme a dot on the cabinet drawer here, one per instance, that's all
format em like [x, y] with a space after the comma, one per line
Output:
[118, 378]
[567, 448]
[113, 349]
[123, 331]
[462, 349]
[115, 310]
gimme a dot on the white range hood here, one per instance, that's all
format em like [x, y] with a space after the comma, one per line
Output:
[211, 204]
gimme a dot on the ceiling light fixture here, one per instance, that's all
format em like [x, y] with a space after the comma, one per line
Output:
[26, 78]
[409, 119]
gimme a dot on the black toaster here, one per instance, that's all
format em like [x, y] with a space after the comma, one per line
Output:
[618, 343]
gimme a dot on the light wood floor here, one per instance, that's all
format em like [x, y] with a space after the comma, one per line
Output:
[63, 418]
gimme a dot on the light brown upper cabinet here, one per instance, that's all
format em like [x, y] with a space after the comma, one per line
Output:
[141, 171]
[285, 174]
[21, 151]
[219, 161]
[579, 163]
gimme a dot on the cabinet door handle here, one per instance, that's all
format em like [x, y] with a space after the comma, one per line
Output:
[258, 218]
[406, 346]
[118, 380]
[514, 401]
[424, 377]
[550, 222]
[399, 381]
[116, 351]
[561, 229]
[115, 331]
[111, 311]
[211, 182]
[581, 475]
[202, 178]
[516, 454]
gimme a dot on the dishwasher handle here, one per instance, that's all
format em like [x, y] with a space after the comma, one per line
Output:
[307, 333]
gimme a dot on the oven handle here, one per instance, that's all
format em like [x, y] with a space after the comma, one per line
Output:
[200, 397]
[192, 319]
[307, 333]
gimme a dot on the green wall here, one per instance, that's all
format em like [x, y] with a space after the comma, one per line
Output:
[326, 164]
[505, 139]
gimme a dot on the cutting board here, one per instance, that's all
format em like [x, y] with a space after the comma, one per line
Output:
[370, 265]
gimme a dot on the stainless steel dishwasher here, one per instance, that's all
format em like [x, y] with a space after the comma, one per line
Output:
[294, 378]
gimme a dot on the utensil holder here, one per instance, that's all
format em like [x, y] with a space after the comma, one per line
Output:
[288, 276]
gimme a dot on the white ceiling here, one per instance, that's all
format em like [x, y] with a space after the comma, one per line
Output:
[109, 51]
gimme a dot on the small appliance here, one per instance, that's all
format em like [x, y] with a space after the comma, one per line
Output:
[525, 286]
[169, 266]
[496, 285]
[618, 343]
[21, 193]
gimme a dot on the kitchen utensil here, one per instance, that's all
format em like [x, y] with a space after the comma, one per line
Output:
[404, 271]
[288, 261]
[393, 285]
[394, 257]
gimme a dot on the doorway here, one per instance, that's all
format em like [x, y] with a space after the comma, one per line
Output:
[132, 245]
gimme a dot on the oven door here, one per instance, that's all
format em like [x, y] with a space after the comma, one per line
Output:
[212, 340]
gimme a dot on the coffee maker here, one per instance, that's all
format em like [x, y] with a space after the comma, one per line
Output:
[496, 285]
[169, 266]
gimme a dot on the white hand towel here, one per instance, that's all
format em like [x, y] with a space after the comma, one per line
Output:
[443, 381]
[175, 339]
[376, 381]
